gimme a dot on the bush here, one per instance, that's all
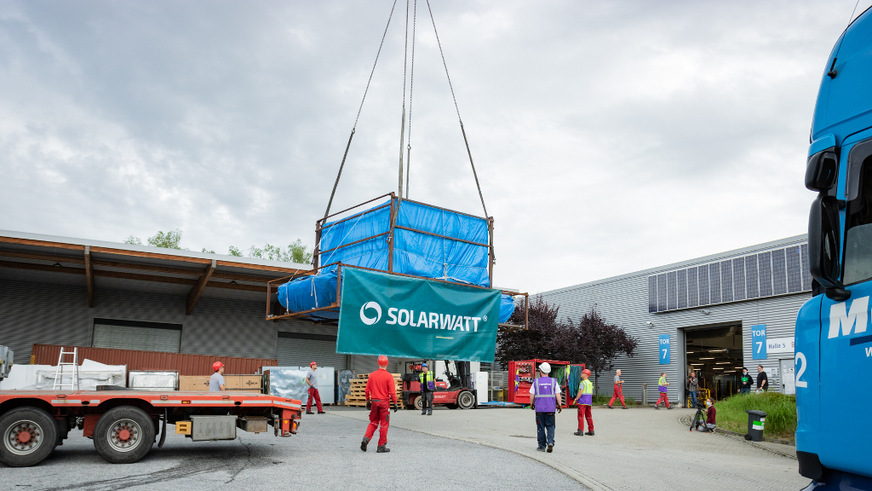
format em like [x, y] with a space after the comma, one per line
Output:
[780, 412]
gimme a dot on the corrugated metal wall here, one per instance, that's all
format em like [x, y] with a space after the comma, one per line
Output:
[623, 301]
[185, 364]
[53, 314]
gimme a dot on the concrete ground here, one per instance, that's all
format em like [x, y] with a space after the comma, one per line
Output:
[639, 448]
[453, 449]
[324, 455]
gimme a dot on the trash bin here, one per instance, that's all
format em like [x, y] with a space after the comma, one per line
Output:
[755, 425]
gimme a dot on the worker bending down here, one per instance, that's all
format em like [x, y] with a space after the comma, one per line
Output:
[584, 400]
[380, 387]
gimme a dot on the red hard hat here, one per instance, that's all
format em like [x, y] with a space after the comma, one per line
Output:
[313, 363]
[382, 361]
[586, 372]
[217, 365]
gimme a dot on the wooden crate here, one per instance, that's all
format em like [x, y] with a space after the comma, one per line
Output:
[357, 393]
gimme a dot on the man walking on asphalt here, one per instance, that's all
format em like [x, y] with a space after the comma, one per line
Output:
[584, 401]
[312, 382]
[427, 387]
[662, 386]
[380, 387]
[545, 394]
[619, 391]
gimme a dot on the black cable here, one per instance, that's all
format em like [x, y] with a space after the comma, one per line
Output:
[359, 110]
[457, 109]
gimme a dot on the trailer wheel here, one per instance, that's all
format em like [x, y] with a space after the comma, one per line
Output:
[465, 400]
[419, 403]
[29, 436]
[124, 435]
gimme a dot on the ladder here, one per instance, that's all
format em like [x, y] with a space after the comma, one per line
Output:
[73, 384]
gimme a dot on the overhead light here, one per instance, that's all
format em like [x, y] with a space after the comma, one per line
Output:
[720, 350]
[233, 282]
[689, 352]
[57, 265]
[723, 363]
[696, 364]
[712, 358]
[718, 368]
[738, 368]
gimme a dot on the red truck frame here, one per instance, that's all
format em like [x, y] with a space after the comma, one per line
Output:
[124, 423]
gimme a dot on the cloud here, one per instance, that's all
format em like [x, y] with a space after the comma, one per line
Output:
[607, 137]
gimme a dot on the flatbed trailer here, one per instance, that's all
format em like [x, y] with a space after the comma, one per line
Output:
[124, 423]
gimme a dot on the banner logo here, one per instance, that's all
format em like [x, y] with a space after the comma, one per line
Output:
[370, 306]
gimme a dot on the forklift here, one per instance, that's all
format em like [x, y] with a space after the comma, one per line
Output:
[456, 393]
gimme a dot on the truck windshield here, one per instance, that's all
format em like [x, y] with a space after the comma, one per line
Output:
[858, 219]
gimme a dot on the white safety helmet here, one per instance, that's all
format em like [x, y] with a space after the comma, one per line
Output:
[545, 368]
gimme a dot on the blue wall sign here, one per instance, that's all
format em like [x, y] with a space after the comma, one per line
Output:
[758, 342]
[664, 349]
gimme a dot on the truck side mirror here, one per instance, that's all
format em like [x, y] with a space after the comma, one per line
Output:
[821, 172]
[824, 246]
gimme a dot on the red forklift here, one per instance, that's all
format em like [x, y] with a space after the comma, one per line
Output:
[457, 392]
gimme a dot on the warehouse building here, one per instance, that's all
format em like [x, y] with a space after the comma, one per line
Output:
[76, 292]
[714, 315]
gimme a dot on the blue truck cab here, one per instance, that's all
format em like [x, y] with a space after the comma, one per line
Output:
[833, 350]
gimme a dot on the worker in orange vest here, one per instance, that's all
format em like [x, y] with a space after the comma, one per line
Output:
[380, 387]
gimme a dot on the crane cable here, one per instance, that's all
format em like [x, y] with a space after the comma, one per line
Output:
[411, 88]
[456, 108]
[402, 137]
[368, 82]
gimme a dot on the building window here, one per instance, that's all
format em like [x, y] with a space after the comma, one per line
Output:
[136, 335]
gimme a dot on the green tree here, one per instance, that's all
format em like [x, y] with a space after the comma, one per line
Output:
[168, 240]
[532, 342]
[592, 341]
[295, 253]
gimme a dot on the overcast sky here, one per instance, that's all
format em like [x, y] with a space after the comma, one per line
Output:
[608, 136]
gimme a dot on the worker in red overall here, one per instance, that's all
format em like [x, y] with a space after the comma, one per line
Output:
[380, 388]
[663, 387]
[619, 391]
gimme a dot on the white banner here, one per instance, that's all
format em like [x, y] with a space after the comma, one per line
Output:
[779, 345]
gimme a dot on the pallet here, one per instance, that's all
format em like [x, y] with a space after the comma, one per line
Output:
[357, 392]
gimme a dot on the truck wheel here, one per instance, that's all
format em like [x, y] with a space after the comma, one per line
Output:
[419, 403]
[124, 435]
[465, 400]
[29, 436]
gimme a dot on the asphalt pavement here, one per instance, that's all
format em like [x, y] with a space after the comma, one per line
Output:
[493, 448]
[638, 448]
[324, 455]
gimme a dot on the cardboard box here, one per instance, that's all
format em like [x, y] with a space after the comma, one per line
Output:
[193, 383]
[247, 383]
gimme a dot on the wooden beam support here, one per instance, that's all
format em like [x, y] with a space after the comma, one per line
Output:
[197, 290]
[41, 243]
[89, 277]
[152, 255]
[129, 276]
[42, 257]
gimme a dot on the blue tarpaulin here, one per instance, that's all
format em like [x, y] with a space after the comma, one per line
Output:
[454, 255]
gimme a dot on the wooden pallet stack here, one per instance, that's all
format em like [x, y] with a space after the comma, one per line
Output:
[357, 393]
